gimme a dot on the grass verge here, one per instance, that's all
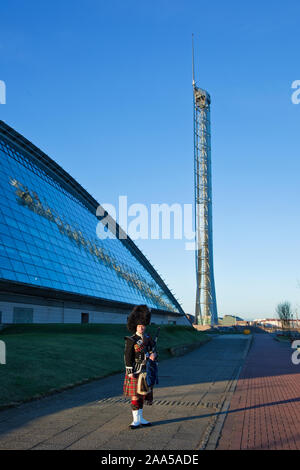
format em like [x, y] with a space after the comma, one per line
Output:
[44, 359]
[283, 339]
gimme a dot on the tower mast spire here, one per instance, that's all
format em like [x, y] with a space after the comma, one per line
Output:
[193, 61]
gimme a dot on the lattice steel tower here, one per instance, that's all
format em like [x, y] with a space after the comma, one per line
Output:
[206, 306]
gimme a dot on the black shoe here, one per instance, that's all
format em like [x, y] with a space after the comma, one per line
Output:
[131, 426]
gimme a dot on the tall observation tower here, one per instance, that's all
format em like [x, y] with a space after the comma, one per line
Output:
[206, 306]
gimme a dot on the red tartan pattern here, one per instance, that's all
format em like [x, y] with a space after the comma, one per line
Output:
[130, 390]
[130, 386]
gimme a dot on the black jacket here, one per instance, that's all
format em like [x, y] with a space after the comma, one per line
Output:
[136, 352]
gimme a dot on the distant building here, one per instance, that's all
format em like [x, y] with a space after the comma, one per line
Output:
[276, 322]
[229, 320]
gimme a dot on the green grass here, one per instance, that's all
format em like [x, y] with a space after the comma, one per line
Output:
[41, 359]
[283, 339]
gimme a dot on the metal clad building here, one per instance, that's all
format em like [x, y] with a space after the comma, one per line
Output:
[53, 266]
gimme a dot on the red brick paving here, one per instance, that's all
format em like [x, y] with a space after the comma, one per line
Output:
[264, 412]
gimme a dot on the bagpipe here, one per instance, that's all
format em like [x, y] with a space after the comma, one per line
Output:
[147, 380]
[152, 366]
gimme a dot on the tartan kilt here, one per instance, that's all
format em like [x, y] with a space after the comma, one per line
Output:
[130, 386]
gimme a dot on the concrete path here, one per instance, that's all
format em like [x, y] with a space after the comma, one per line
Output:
[265, 408]
[190, 394]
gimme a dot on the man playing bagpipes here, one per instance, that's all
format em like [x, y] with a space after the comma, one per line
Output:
[139, 350]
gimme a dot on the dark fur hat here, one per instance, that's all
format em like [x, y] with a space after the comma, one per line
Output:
[140, 315]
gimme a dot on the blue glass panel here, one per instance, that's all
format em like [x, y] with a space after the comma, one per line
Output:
[8, 274]
[5, 263]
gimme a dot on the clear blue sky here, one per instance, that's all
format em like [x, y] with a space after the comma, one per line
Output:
[105, 89]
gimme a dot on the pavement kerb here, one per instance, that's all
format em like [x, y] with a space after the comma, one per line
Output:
[212, 435]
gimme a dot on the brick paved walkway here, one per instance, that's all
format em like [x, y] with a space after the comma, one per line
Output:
[264, 412]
